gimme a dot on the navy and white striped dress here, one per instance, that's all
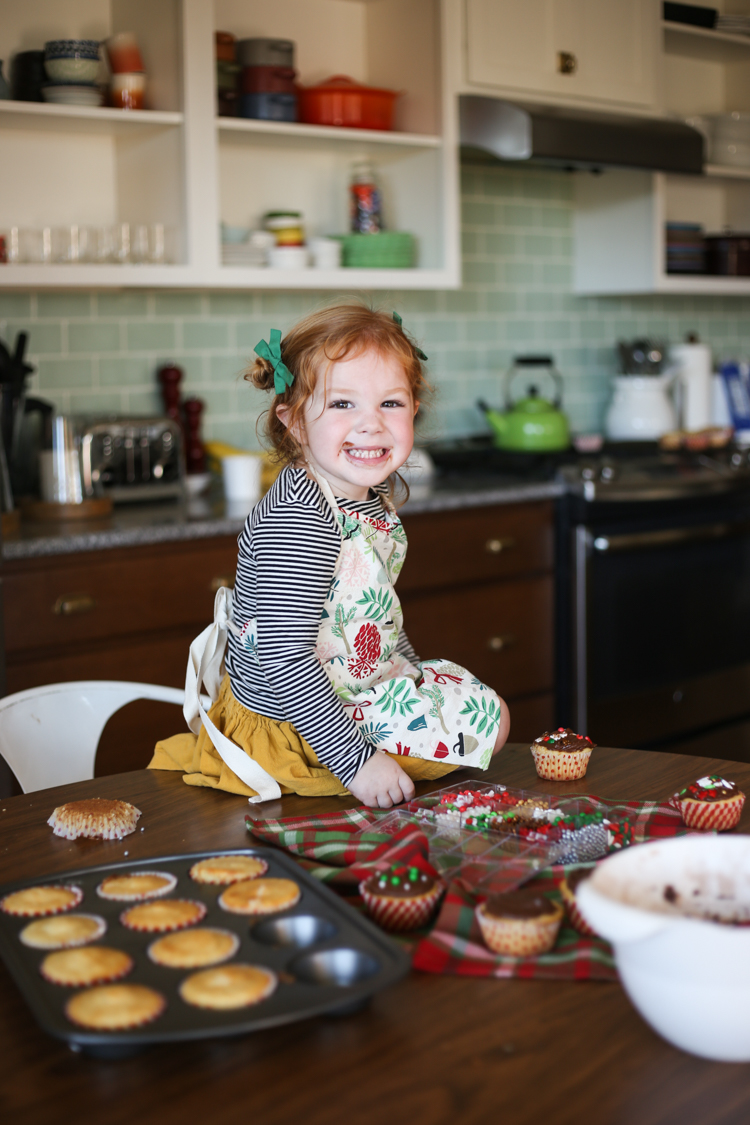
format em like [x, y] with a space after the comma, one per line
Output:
[288, 553]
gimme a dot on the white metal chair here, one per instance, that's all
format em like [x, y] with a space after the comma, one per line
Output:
[49, 735]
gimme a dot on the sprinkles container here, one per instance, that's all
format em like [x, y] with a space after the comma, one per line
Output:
[397, 911]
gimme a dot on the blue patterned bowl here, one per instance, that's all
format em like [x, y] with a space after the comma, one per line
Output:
[71, 49]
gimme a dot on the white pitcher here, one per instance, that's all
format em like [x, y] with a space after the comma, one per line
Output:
[641, 408]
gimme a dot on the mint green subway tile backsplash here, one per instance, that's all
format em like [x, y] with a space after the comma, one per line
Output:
[101, 350]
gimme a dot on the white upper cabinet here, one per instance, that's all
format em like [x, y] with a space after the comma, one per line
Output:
[590, 52]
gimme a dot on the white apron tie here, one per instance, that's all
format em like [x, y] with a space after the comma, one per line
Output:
[205, 666]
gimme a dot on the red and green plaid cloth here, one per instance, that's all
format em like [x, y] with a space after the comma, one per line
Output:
[342, 848]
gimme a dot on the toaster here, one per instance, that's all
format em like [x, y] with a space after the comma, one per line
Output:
[130, 457]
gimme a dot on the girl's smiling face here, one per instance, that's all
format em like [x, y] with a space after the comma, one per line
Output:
[359, 423]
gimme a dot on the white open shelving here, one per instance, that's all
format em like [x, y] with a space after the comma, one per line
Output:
[179, 164]
[621, 216]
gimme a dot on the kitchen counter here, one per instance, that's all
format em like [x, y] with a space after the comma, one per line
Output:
[207, 517]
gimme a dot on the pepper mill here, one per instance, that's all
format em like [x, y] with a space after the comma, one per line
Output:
[170, 376]
[195, 454]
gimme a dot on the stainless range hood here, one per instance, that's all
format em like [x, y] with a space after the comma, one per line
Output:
[493, 130]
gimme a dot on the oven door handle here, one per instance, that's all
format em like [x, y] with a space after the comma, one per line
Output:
[644, 540]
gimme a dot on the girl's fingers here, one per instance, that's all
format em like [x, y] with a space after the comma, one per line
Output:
[385, 800]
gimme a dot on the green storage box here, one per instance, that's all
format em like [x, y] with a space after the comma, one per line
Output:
[388, 249]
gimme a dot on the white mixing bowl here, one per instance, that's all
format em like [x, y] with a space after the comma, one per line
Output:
[688, 976]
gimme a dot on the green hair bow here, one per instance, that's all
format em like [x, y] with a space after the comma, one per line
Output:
[419, 351]
[282, 376]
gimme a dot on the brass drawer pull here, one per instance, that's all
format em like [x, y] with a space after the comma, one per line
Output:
[222, 580]
[497, 644]
[567, 63]
[69, 604]
[497, 546]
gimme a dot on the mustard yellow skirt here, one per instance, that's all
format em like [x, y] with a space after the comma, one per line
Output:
[274, 745]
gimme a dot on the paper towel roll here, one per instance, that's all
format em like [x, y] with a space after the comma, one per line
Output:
[694, 364]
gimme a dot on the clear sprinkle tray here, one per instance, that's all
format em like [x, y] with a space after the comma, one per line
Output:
[489, 861]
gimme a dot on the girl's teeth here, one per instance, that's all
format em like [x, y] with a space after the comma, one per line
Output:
[366, 454]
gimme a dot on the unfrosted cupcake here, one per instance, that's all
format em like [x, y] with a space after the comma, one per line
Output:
[93, 964]
[115, 1007]
[562, 755]
[712, 803]
[36, 902]
[519, 923]
[401, 898]
[96, 818]
[570, 884]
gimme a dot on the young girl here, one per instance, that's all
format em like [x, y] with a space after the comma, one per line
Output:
[323, 693]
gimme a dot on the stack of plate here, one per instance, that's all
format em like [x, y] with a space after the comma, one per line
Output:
[252, 250]
[686, 248]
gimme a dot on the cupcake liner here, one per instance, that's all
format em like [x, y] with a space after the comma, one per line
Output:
[577, 920]
[96, 976]
[712, 816]
[163, 928]
[561, 765]
[139, 896]
[14, 903]
[520, 937]
[399, 915]
[78, 1007]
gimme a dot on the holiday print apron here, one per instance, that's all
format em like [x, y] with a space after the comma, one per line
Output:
[436, 709]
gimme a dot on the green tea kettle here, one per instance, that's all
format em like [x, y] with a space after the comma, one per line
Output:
[531, 424]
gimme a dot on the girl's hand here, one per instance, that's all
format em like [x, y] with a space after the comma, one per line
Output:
[381, 783]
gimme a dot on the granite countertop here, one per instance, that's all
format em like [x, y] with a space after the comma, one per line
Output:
[206, 517]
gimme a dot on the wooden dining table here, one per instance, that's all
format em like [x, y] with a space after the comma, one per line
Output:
[439, 1050]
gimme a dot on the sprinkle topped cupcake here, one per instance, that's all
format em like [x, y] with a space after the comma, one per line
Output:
[711, 803]
[562, 755]
[401, 898]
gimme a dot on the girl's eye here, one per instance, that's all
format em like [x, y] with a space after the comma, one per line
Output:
[339, 404]
[393, 402]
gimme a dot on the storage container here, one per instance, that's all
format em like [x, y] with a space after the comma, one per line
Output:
[265, 52]
[342, 101]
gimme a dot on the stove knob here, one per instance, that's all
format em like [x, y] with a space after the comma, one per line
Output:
[587, 474]
[607, 473]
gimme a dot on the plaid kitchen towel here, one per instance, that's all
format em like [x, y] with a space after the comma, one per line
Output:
[455, 945]
[342, 848]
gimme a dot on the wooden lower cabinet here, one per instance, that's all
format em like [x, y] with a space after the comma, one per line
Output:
[477, 589]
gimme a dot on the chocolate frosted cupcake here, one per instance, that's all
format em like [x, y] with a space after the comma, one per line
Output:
[562, 755]
[519, 923]
[401, 898]
[571, 882]
[712, 803]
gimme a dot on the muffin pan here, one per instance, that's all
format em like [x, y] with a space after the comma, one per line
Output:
[327, 956]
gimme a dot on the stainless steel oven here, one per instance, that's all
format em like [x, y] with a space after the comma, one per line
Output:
[654, 604]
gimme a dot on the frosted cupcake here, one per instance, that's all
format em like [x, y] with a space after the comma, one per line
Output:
[712, 804]
[401, 898]
[519, 923]
[561, 755]
[570, 884]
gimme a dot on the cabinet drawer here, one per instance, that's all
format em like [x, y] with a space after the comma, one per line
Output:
[503, 632]
[114, 593]
[530, 717]
[476, 544]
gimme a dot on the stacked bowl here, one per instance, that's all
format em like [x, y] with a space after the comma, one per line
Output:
[72, 67]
